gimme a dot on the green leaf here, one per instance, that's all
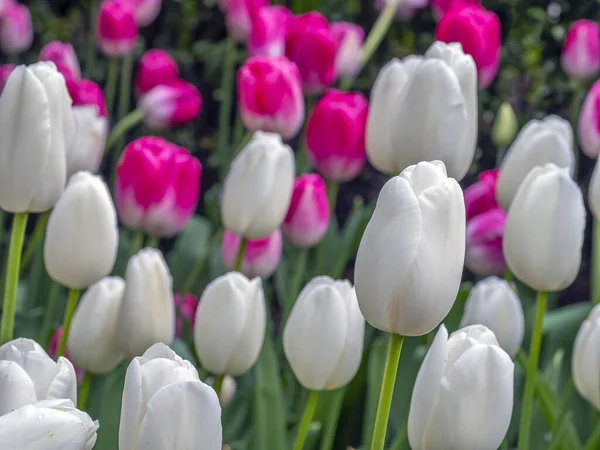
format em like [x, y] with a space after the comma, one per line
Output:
[374, 378]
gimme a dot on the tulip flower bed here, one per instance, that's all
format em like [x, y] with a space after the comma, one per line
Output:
[255, 226]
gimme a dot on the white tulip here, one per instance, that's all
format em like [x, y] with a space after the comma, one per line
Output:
[87, 148]
[463, 395]
[323, 337]
[258, 188]
[166, 406]
[493, 303]
[147, 313]
[29, 375]
[594, 191]
[230, 324]
[82, 237]
[544, 229]
[423, 109]
[48, 425]
[586, 358]
[36, 125]
[92, 342]
[539, 142]
[410, 259]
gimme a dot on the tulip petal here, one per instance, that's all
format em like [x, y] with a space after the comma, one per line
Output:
[64, 384]
[594, 192]
[16, 388]
[132, 406]
[586, 361]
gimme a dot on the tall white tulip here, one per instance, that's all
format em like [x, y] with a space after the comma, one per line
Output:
[258, 188]
[165, 405]
[230, 324]
[586, 358]
[594, 191]
[544, 229]
[87, 148]
[82, 237]
[323, 337]
[147, 314]
[494, 303]
[424, 108]
[36, 125]
[29, 375]
[463, 395]
[539, 142]
[92, 343]
[410, 259]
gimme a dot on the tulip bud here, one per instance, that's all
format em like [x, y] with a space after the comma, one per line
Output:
[440, 7]
[86, 92]
[335, 134]
[87, 148]
[157, 385]
[157, 186]
[505, 126]
[257, 190]
[185, 306]
[239, 15]
[580, 56]
[156, 67]
[308, 216]
[170, 104]
[16, 30]
[116, 30]
[539, 142]
[28, 375]
[227, 390]
[147, 313]
[484, 254]
[588, 127]
[269, 28]
[586, 360]
[310, 44]
[349, 40]
[5, 71]
[230, 324]
[493, 303]
[270, 96]
[63, 55]
[594, 192]
[402, 283]
[48, 425]
[33, 163]
[544, 229]
[82, 237]
[323, 337]
[145, 11]
[463, 395]
[481, 196]
[261, 256]
[424, 108]
[92, 338]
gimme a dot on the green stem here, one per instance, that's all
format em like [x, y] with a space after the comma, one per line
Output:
[90, 57]
[532, 363]
[153, 241]
[237, 266]
[309, 411]
[296, 281]
[110, 89]
[400, 438]
[13, 263]
[49, 313]
[33, 241]
[508, 275]
[596, 262]
[124, 93]
[137, 242]
[66, 326]
[387, 391]
[333, 188]
[331, 420]
[123, 126]
[223, 139]
[84, 391]
[593, 443]
[218, 386]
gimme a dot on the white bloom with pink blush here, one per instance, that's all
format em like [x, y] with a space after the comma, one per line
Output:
[63, 55]
[580, 57]
[261, 256]
[173, 103]
[16, 29]
[349, 39]
[269, 28]
[588, 127]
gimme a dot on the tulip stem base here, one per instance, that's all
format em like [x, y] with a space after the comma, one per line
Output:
[218, 385]
[596, 263]
[11, 284]
[153, 241]
[237, 266]
[32, 242]
[69, 312]
[123, 126]
[387, 391]
[531, 371]
[137, 242]
[84, 391]
[309, 411]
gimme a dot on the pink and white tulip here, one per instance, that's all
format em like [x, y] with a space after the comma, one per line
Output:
[16, 29]
[116, 29]
[85, 93]
[239, 15]
[145, 11]
[481, 196]
[170, 104]
[349, 40]
[53, 348]
[5, 71]
[186, 306]
[155, 68]
[261, 256]
[440, 7]
[580, 56]
[269, 28]
[87, 147]
[63, 55]
[484, 233]
[588, 127]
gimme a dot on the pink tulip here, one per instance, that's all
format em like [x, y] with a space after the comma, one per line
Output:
[335, 134]
[239, 15]
[311, 45]
[270, 95]
[145, 11]
[53, 348]
[186, 306]
[440, 7]
[172, 103]
[261, 256]
[156, 67]
[484, 233]
[481, 196]
[85, 92]
[308, 215]
[5, 71]
[349, 40]
[478, 31]
[157, 186]
[580, 57]
[589, 123]
[63, 55]
[269, 28]
[116, 29]
[16, 30]
[4, 5]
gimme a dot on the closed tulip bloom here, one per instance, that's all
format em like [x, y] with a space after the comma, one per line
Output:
[481, 195]
[463, 395]
[116, 29]
[230, 324]
[269, 28]
[63, 55]
[440, 7]
[170, 104]
[145, 11]
[16, 29]
[588, 127]
[349, 39]
[323, 337]
[29, 375]
[544, 229]
[5, 71]
[158, 384]
[157, 186]
[185, 306]
[82, 237]
[424, 108]
[33, 164]
[87, 93]
[505, 125]
[484, 255]
[87, 148]
[258, 188]
[402, 283]
[539, 142]
[270, 96]
[586, 360]
[580, 56]
[147, 314]
[594, 192]
[261, 256]
[493, 303]
[155, 68]
[239, 15]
